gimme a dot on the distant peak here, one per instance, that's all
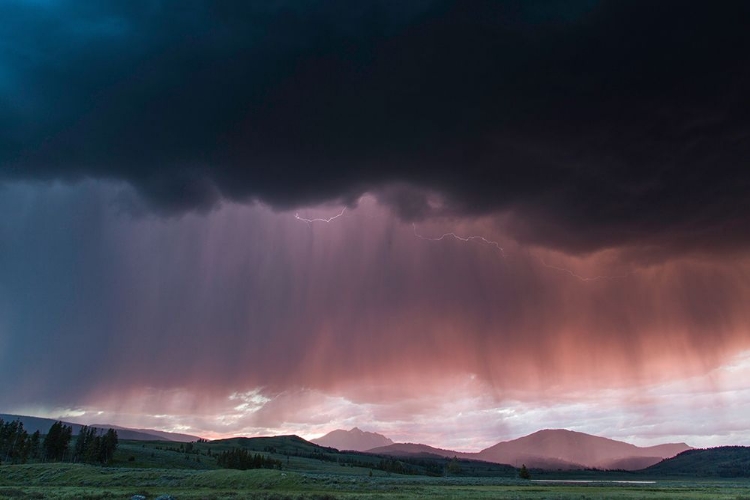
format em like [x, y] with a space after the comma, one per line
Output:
[560, 432]
[353, 439]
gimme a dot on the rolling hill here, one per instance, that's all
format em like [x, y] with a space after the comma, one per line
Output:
[169, 436]
[33, 424]
[287, 445]
[724, 461]
[415, 449]
[552, 450]
[310, 456]
[564, 449]
[354, 439]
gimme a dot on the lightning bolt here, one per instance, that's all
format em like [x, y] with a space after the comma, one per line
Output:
[310, 221]
[481, 239]
[477, 239]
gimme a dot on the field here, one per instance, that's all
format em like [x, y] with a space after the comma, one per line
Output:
[152, 469]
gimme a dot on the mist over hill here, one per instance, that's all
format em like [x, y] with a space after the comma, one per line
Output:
[554, 449]
[354, 439]
[560, 448]
[33, 424]
[549, 449]
[417, 449]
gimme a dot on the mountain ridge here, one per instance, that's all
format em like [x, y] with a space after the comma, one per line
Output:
[550, 449]
[554, 449]
[42, 424]
[720, 461]
[579, 449]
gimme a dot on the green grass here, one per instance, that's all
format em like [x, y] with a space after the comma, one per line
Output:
[152, 469]
[69, 481]
[153, 454]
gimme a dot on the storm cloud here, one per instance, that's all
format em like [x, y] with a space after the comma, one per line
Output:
[450, 220]
[588, 125]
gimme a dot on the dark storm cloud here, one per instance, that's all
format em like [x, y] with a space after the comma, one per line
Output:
[593, 124]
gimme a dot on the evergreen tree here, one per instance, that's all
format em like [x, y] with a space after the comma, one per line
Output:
[14, 442]
[93, 447]
[80, 446]
[35, 443]
[523, 473]
[108, 446]
[50, 441]
[243, 460]
[453, 466]
[57, 440]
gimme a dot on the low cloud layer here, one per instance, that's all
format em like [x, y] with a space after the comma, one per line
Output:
[590, 125]
[705, 410]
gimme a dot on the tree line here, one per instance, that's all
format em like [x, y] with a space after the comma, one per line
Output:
[92, 445]
[243, 460]
[16, 445]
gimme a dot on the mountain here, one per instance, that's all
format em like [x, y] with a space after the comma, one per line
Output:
[355, 439]
[412, 450]
[286, 445]
[552, 450]
[163, 435]
[549, 449]
[564, 449]
[724, 461]
[33, 424]
[418, 463]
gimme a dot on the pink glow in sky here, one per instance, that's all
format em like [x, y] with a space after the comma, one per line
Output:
[246, 321]
[450, 222]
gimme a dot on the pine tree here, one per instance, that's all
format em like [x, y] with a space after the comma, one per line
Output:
[34, 445]
[14, 442]
[50, 441]
[66, 434]
[93, 447]
[57, 440]
[453, 466]
[80, 447]
[524, 472]
[108, 446]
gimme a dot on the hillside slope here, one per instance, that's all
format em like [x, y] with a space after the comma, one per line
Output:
[566, 449]
[33, 424]
[724, 461]
[354, 439]
[416, 449]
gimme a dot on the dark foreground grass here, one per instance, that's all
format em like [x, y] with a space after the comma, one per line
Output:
[75, 481]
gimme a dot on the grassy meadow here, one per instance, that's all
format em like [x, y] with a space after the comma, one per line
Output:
[157, 468]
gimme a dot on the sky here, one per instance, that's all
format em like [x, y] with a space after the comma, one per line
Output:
[453, 223]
